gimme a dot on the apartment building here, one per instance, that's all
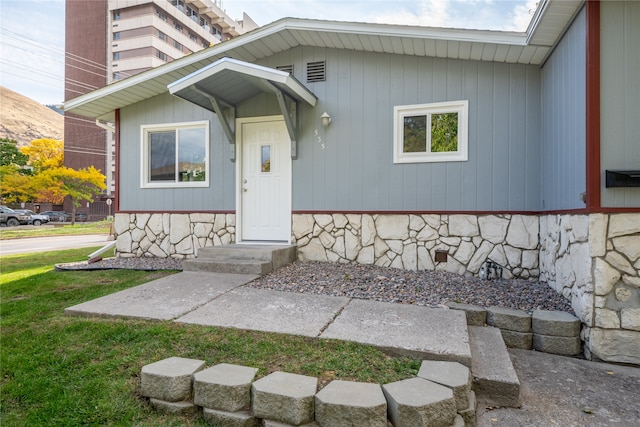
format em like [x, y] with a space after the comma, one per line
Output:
[109, 40]
[147, 33]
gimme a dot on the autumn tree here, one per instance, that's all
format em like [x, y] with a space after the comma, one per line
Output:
[16, 187]
[44, 153]
[79, 185]
[15, 183]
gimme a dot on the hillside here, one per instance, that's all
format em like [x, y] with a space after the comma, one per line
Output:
[24, 120]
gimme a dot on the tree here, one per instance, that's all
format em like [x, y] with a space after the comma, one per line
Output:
[79, 185]
[10, 154]
[44, 153]
[15, 186]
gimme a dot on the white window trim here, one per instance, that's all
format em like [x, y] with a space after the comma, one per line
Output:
[402, 111]
[144, 158]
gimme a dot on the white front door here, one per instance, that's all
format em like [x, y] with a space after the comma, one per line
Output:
[265, 180]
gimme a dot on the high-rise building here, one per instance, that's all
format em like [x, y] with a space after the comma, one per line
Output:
[108, 40]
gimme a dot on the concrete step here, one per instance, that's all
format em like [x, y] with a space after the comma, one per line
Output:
[230, 265]
[494, 379]
[242, 259]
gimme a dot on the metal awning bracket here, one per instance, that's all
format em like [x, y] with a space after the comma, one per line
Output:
[289, 108]
[226, 113]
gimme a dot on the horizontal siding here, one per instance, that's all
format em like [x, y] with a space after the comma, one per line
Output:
[620, 97]
[169, 109]
[564, 121]
[349, 165]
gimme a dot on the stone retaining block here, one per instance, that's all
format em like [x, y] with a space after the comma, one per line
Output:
[476, 315]
[169, 379]
[555, 323]
[229, 419]
[459, 422]
[224, 387]
[521, 340]
[450, 374]
[469, 413]
[181, 408]
[269, 423]
[509, 319]
[417, 402]
[566, 346]
[288, 400]
[346, 403]
[284, 397]
[494, 378]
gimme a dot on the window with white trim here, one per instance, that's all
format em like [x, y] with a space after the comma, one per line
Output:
[435, 132]
[175, 155]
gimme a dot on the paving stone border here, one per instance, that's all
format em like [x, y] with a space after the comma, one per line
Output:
[555, 332]
[440, 396]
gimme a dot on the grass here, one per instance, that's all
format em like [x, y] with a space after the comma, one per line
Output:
[53, 229]
[58, 370]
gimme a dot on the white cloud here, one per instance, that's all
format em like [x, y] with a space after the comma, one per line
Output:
[508, 15]
[521, 15]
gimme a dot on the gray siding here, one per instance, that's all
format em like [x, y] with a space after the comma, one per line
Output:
[354, 168]
[169, 109]
[563, 121]
[620, 97]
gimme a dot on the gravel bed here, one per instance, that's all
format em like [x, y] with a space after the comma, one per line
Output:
[141, 263]
[428, 288]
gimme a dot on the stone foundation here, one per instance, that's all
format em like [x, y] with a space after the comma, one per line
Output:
[594, 260]
[165, 235]
[412, 242]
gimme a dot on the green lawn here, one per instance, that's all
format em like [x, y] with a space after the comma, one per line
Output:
[59, 370]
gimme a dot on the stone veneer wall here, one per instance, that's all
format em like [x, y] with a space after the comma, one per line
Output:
[594, 260]
[410, 241]
[165, 235]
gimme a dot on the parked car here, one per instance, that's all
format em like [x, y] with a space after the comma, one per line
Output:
[81, 217]
[12, 218]
[59, 216]
[36, 219]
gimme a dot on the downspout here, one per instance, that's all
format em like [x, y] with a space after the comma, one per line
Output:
[593, 199]
[116, 195]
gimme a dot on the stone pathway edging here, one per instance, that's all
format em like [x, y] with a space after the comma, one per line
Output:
[439, 396]
[555, 332]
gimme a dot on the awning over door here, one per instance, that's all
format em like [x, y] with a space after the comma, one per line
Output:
[221, 86]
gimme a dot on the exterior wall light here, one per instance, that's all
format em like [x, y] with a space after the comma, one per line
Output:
[325, 119]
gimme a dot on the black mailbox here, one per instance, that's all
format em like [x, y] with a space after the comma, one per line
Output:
[623, 178]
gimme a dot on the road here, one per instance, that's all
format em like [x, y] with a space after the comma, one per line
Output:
[54, 243]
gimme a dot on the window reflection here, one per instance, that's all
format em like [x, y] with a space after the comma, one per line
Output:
[266, 158]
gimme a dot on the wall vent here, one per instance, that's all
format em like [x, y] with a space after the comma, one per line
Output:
[286, 68]
[316, 71]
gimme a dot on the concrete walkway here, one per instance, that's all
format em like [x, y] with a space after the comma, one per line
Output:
[556, 390]
[218, 299]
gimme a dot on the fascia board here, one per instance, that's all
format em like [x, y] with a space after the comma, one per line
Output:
[362, 29]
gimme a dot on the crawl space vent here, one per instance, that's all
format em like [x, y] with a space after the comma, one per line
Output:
[316, 71]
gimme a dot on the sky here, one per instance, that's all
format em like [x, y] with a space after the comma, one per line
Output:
[32, 31]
